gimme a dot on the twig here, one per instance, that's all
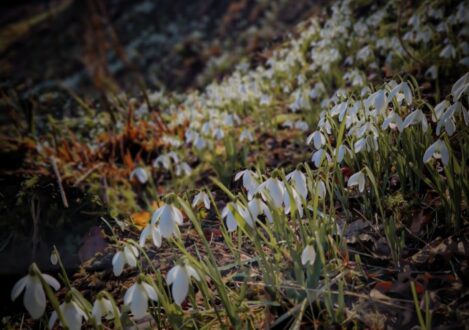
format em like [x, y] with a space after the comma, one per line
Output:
[399, 34]
[35, 211]
[87, 174]
[59, 181]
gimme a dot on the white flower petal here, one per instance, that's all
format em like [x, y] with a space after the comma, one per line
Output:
[139, 303]
[129, 294]
[172, 274]
[34, 298]
[52, 320]
[180, 287]
[51, 281]
[118, 263]
[156, 236]
[308, 255]
[192, 272]
[19, 287]
[151, 293]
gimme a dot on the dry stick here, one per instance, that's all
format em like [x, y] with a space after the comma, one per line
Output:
[59, 181]
[399, 34]
[35, 211]
[87, 174]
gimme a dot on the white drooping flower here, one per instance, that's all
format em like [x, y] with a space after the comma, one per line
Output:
[439, 110]
[367, 142]
[179, 277]
[246, 214]
[341, 151]
[168, 218]
[141, 174]
[414, 118]
[460, 87]
[437, 150]
[249, 181]
[448, 52]
[447, 118]
[308, 256]
[320, 189]
[318, 139]
[155, 232]
[137, 297]
[246, 135]
[275, 189]
[102, 307]
[127, 255]
[34, 297]
[296, 199]
[227, 213]
[402, 91]
[199, 142]
[201, 197]
[380, 102]
[393, 121]
[357, 179]
[72, 313]
[54, 257]
[299, 182]
[317, 157]
[183, 168]
[257, 207]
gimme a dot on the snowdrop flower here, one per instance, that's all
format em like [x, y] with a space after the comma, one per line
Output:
[102, 307]
[199, 142]
[339, 109]
[380, 101]
[299, 182]
[402, 89]
[295, 198]
[183, 168]
[368, 142]
[308, 256]
[276, 190]
[34, 297]
[257, 207]
[72, 313]
[201, 197]
[341, 151]
[54, 257]
[432, 72]
[320, 189]
[168, 218]
[393, 121]
[357, 179]
[246, 135]
[460, 87]
[137, 297]
[141, 175]
[416, 117]
[155, 232]
[179, 277]
[317, 157]
[318, 139]
[127, 255]
[447, 119]
[265, 100]
[437, 150]
[439, 110]
[227, 213]
[218, 134]
[249, 181]
[162, 160]
[448, 52]
[247, 215]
